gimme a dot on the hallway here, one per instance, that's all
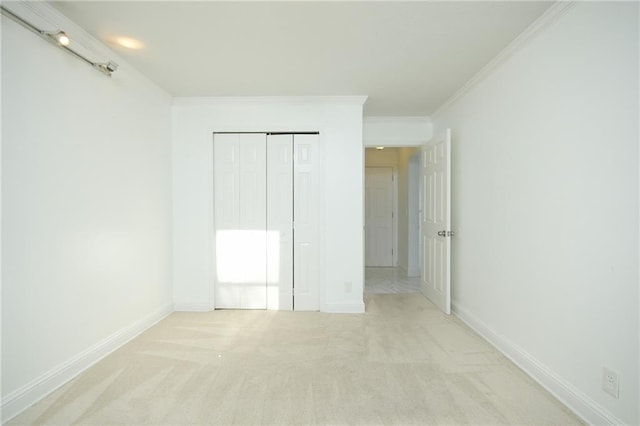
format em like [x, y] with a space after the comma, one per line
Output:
[389, 281]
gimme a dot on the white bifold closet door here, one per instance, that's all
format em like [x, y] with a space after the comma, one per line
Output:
[280, 222]
[266, 221]
[305, 218]
[240, 220]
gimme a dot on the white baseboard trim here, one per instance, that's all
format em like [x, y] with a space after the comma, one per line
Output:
[582, 405]
[21, 399]
[343, 308]
[413, 272]
[193, 307]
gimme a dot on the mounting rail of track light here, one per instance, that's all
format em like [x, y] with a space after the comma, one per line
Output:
[62, 40]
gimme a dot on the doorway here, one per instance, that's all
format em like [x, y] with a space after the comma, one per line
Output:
[397, 168]
[403, 206]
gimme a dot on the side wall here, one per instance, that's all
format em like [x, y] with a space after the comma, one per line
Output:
[413, 217]
[86, 181]
[545, 206]
[339, 121]
[405, 202]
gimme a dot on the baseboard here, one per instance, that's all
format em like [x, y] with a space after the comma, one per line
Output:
[582, 405]
[413, 272]
[193, 307]
[338, 308]
[343, 308]
[21, 399]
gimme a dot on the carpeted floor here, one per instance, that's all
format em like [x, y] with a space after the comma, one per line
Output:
[403, 362]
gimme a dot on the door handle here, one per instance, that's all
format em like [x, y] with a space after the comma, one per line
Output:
[445, 233]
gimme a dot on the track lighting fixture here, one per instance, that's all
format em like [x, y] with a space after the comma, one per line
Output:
[62, 40]
[60, 37]
[107, 68]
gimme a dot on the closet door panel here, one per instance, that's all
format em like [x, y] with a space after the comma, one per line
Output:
[253, 223]
[280, 222]
[306, 236]
[227, 220]
[240, 221]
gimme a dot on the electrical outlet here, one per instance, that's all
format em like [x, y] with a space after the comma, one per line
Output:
[348, 287]
[610, 382]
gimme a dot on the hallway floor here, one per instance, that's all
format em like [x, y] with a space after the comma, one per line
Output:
[389, 281]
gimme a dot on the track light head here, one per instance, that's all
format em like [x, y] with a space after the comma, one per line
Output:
[59, 37]
[63, 38]
[107, 67]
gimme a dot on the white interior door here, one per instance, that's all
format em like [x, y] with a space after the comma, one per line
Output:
[305, 216]
[436, 226]
[379, 216]
[240, 220]
[280, 222]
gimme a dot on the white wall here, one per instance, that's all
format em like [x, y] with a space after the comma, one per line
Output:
[545, 206]
[85, 210]
[396, 131]
[413, 215]
[404, 155]
[381, 157]
[339, 121]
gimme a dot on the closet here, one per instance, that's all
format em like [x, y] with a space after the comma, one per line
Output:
[266, 221]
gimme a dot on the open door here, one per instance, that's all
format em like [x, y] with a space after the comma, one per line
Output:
[436, 221]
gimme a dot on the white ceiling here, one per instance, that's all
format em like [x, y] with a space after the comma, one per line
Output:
[408, 57]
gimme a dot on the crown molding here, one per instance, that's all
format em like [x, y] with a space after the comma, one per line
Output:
[306, 100]
[397, 120]
[551, 15]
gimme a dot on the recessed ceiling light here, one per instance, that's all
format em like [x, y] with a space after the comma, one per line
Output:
[379, 147]
[129, 43]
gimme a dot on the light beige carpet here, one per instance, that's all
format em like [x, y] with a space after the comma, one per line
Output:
[403, 362]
